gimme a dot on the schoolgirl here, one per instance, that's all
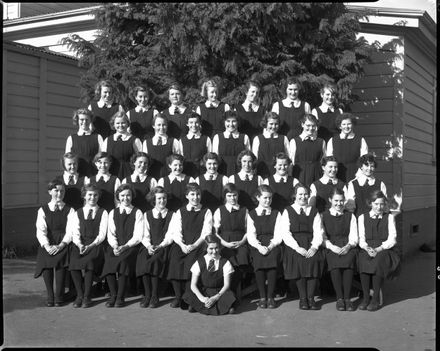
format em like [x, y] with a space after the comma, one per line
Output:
[250, 112]
[213, 110]
[85, 143]
[88, 226]
[291, 109]
[151, 263]
[72, 180]
[176, 113]
[229, 144]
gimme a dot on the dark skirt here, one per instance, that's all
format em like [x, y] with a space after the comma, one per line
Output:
[272, 260]
[237, 257]
[344, 261]
[152, 264]
[92, 261]
[179, 264]
[386, 264]
[46, 261]
[124, 264]
[222, 306]
[297, 266]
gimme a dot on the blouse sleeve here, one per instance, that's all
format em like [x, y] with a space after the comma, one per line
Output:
[103, 225]
[175, 227]
[138, 231]
[276, 108]
[286, 145]
[228, 269]
[255, 146]
[307, 108]
[216, 219]
[67, 239]
[247, 142]
[278, 231]
[353, 237]
[292, 150]
[251, 232]
[392, 234]
[361, 230]
[137, 145]
[104, 145]
[329, 151]
[144, 147]
[146, 240]
[364, 147]
[215, 144]
[287, 235]
[177, 147]
[68, 144]
[111, 231]
[207, 224]
[317, 232]
[208, 144]
[195, 268]
[73, 225]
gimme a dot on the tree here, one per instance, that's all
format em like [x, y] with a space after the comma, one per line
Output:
[160, 43]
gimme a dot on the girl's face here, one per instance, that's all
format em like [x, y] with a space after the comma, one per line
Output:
[106, 94]
[193, 125]
[193, 198]
[211, 166]
[346, 126]
[121, 124]
[91, 198]
[246, 163]
[141, 165]
[213, 250]
[175, 96]
[330, 169]
[71, 165]
[272, 125]
[160, 201]
[142, 98]
[281, 166]
[337, 202]
[103, 165]
[57, 193]
[125, 197]
[292, 91]
[160, 126]
[301, 197]
[83, 122]
[211, 94]
[378, 206]
[252, 94]
[265, 199]
[231, 125]
[368, 169]
[328, 97]
[309, 127]
[231, 198]
[176, 167]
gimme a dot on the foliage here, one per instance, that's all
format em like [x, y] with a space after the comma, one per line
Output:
[187, 43]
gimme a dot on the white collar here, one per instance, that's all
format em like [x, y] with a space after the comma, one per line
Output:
[362, 179]
[334, 212]
[324, 180]
[155, 212]
[141, 109]
[302, 136]
[278, 177]
[227, 134]
[242, 175]
[373, 215]
[289, 101]
[324, 108]
[192, 135]
[229, 207]
[179, 177]
[66, 176]
[52, 204]
[207, 175]
[196, 208]
[297, 208]
[181, 108]
[349, 136]
[101, 104]
[105, 176]
[135, 174]
[124, 136]
[260, 210]
[84, 132]
[254, 106]
[163, 137]
[267, 135]
[214, 103]
[127, 209]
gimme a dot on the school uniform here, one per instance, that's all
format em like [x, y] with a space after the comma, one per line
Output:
[249, 118]
[142, 184]
[306, 153]
[73, 184]
[158, 149]
[210, 283]
[327, 122]
[321, 189]
[187, 226]
[302, 230]
[102, 113]
[51, 230]
[359, 191]
[347, 149]
[247, 185]
[265, 146]
[125, 227]
[193, 146]
[212, 117]
[86, 145]
[290, 117]
[156, 228]
[227, 146]
[108, 184]
[121, 148]
[282, 187]
[340, 229]
[176, 121]
[141, 122]
[175, 187]
[88, 226]
[211, 186]
[378, 232]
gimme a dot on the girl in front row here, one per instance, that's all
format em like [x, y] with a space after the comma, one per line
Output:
[151, 261]
[303, 233]
[89, 229]
[378, 257]
[264, 235]
[125, 232]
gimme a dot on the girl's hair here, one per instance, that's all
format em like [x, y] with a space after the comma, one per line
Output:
[122, 187]
[81, 111]
[90, 187]
[229, 188]
[330, 87]
[267, 116]
[309, 117]
[366, 159]
[263, 188]
[212, 239]
[141, 88]
[192, 187]
[159, 115]
[206, 85]
[174, 157]
[336, 191]
[174, 86]
[230, 114]
[100, 84]
[376, 194]
[119, 114]
[293, 80]
[254, 83]
[343, 116]
[295, 190]
[326, 159]
[210, 156]
[68, 156]
[102, 154]
[246, 153]
[151, 196]
[281, 156]
[54, 183]
[138, 154]
[193, 114]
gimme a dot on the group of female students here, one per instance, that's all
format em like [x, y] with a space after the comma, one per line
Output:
[201, 197]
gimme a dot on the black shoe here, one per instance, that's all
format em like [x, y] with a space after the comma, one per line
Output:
[184, 305]
[303, 304]
[49, 303]
[271, 303]
[78, 302]
[364, 304]
[340, 305]
[262, 303]
[191, 309]
[87, 302]
[349, 305]
[120, 302]
[373, 306]
[154, 302]
[111, 302]
[59, 303]
[312, 303]
[176, 303]
[145, 302]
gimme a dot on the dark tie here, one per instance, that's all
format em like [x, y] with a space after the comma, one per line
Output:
[250, 108]
[272, 136]
[211, 106]
[234, 209]
[246, 177]
[330, 182]
[57, 208]
[263, 213]
[193, 209]
[159, 141]
[160, 215]
[291, 104]
[101, 179]
[124, 212]
[301, 212]
[308, 139]
[119, 138]
[89, 216]
[71, 180]
[176, 111]
[211, 177]
[283, 180]
[211, 265]
[138, 179]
